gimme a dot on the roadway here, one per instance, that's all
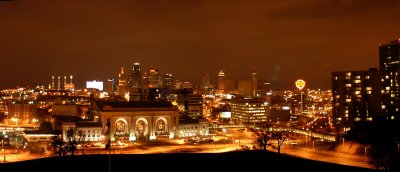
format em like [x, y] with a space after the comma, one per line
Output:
[326, 156]
[220, 147]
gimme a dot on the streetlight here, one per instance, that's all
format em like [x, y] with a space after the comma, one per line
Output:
[2, 149]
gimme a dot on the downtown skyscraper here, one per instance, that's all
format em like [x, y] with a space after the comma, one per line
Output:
[135, 78]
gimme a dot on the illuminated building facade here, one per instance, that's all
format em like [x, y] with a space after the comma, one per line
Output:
[84, 131]
[193, 128]
[249, 111]
[356, 96]
[139, 120]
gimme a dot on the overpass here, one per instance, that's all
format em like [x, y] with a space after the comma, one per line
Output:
[325, 136]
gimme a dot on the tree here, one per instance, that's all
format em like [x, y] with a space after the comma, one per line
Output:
[71, 144]
[281, 137]
[58, 145]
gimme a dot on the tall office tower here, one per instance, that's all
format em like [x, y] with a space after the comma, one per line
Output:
[229, 85]
[205, 84]
[389, 62]
[194, 105]
[135, 79]
[110, 87]
[244, 88]
[357, 96]
[254, 84]
[264, 88]
[168, 80]
[121, 83]
[221, 82]
[154, 78]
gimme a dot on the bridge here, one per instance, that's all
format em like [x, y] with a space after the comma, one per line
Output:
[325, 136]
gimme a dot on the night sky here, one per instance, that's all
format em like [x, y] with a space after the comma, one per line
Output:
[283, 40]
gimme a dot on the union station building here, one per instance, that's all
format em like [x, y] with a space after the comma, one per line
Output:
[138, 120]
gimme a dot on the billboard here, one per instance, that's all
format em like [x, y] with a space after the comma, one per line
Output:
[225, 114]
[95, 84]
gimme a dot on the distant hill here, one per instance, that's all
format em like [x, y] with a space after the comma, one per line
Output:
[248, 160]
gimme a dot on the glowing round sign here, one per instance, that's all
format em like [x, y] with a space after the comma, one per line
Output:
[300, 84]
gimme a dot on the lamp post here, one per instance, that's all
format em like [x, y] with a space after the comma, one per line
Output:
[2, 149]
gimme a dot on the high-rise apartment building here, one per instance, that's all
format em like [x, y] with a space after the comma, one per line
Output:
[357, 96]
[389, 63]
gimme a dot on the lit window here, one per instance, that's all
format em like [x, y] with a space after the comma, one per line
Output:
[348, 74]
[348, 85]
[357, 81]
[368, 88]
[367, 77]
[348, 100]
[357, 92]
[383, 106]
[387, 88]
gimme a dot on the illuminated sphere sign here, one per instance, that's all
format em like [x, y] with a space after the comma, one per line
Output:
[300, 84]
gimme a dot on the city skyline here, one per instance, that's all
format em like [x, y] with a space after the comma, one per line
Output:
[284, 41]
